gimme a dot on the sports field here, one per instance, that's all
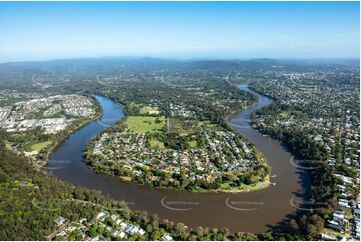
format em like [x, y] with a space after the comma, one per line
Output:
[143, 124]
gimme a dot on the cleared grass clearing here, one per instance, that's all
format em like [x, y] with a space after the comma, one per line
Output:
[143, 124]
[192, 144]
[156, 144]
[149, 110]
[8, 146]
[285, 114]
[40, 146]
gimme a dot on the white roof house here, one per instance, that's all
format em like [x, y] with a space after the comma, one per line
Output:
[59, 221]
[167, 237]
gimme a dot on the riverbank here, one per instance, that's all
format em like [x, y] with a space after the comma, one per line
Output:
[69, 130]
[226, 190]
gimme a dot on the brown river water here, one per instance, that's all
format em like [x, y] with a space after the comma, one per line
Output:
[253, 212]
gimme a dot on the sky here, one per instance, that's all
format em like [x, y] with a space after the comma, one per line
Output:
[182, 30]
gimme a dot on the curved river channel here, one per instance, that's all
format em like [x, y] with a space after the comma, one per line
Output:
[253, 212]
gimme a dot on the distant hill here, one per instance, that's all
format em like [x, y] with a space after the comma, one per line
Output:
[233, 65]
[111, 65]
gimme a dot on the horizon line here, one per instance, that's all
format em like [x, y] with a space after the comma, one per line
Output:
[180, 59]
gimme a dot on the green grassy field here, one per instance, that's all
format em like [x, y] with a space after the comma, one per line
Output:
[285, 114]
[143, 124]
[149, 110]
[8, 146]
[192, 144]
[156, 144]
[40, 146]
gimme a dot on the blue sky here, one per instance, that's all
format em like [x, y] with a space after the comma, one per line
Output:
[50, 30]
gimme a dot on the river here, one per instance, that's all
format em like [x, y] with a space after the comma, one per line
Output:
[253, 212]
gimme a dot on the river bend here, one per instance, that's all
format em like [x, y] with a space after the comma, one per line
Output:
[251, 212]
